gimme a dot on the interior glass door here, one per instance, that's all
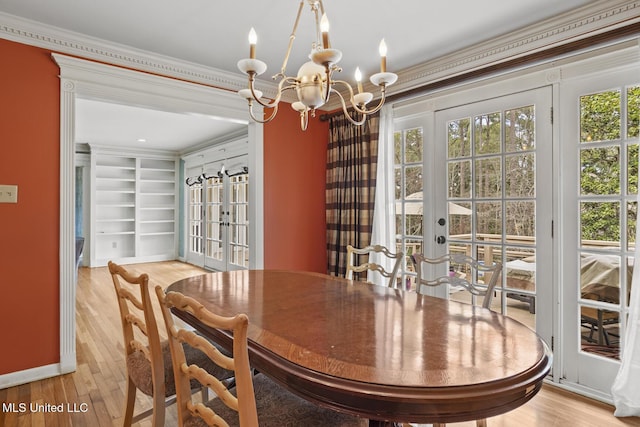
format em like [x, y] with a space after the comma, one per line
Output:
[492, 194]
[218, 217]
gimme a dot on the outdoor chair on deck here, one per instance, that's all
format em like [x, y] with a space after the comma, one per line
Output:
[598, 320]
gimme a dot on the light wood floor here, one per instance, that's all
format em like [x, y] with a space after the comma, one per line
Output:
[97, 387]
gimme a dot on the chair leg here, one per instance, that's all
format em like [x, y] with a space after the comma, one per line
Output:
[481, 423]
[159, 404]
[129, 403]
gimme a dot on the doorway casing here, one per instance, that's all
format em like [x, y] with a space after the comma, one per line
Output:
[85, 79]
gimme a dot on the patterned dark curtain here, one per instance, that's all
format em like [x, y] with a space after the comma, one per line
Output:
[352, 157]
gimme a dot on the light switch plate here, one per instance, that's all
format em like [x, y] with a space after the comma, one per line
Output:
[8, 194]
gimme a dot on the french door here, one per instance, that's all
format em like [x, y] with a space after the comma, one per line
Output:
[600, 191]
[476, 179]
[218, 220]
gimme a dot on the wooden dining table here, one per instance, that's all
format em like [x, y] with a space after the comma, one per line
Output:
[384, 354]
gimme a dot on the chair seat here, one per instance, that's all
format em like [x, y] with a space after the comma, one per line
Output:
[279, 407]
[140, 368]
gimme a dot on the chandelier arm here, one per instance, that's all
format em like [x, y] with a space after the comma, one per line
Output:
[356, 107]
[268, 119]
[380, 103]
[346, 112]
[276, 101]
[345, 84]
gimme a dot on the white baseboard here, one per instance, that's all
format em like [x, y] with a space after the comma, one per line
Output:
[29, 375]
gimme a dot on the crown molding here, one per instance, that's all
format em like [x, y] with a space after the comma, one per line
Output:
[58, 40]
[578, 24]
[597, 17]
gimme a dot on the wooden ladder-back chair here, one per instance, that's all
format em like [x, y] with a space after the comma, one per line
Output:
[353, 267]
[148, 359]
[464, 271]
[255, 397]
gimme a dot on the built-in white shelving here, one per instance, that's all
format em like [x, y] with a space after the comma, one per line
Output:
[133, 209]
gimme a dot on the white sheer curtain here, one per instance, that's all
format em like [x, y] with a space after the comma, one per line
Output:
[626, 387]
[384, 228]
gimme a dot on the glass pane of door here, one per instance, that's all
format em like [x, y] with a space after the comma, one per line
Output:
[239, 221]
[215, 224]
[195, 239]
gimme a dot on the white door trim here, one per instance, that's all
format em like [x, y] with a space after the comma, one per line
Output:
[81, 78]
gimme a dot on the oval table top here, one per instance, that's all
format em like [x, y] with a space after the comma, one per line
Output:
[377, 352]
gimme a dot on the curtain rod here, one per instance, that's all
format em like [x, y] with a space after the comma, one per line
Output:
[326, 116]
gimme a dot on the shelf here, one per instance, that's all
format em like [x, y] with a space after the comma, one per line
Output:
[114, 233]
[115, 178]
[116, 205]
[159, 181]
[114, 166]
[134, 207]
[157, 194]
[160, 164]
[159, 233]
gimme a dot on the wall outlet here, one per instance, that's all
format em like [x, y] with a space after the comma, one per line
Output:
[114, 245]
[8, 194]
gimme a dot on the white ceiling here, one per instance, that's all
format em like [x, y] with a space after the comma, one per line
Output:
[132, 127]
[214, 34]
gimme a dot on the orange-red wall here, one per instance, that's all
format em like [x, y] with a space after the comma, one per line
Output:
[29, 230]
[294, 199]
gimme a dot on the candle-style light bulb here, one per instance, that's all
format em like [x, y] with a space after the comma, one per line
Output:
[383, 56]
[359, 79]
[324, 28]
[253, 38]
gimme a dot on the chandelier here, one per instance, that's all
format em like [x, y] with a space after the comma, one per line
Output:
[315, 80]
